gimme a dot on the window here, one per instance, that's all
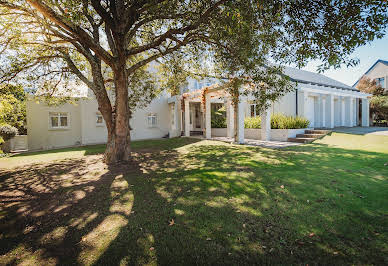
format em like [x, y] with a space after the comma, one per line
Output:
[59, 120]
[380, 81]
[99, 119]
[254, 110]
[152, 120]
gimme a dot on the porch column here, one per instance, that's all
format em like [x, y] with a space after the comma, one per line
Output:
[187, 118]
[178, 116]
[266, 124]
[320, 114]
[348, 111]
[355, 112]
[330, 110]
[365, 112]
[358, 112]
[342, 107]
[302, 99]
[229, 118]
[208, 124]
[240, 119]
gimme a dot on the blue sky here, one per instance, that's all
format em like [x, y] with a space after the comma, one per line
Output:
[368, 55]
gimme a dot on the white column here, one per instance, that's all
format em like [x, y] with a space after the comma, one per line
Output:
[319, 123]
[208, 123]
[330, 110]
[266, 124]
[351, 112]
[355, 112]
[342, 107]
[302, 99]
[187, 118]
[229, 118]
[348, 111]
[365, 112]
[358, 112]
[240, 119]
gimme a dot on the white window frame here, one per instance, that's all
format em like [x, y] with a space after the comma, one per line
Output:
[102, 121]
[255, 110]
[380, 81]
[59, 115]
[149, 119]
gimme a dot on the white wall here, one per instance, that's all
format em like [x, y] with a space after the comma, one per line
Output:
[379, 71]
[138, 123]
[41, 136]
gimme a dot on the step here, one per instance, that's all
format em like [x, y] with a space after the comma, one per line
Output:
[314, 136]
[301, 140]
[196, 133]
[316, 131]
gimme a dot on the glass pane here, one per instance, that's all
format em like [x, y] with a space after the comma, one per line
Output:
[54, 121]
[63, 121]
[257, 110]
[99, 119]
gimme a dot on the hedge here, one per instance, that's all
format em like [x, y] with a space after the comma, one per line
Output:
[278, 121]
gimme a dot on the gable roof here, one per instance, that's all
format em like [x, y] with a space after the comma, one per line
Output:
[378, 61]
[307, 77]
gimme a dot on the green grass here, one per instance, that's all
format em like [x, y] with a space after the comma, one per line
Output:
[184, 201]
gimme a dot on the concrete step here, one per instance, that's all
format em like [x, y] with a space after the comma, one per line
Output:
[314, 136]
[317, 131]
[301, 140]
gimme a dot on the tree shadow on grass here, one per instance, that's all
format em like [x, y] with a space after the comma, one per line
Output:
[197, 204]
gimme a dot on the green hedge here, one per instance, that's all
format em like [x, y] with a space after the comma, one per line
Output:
[278, 121]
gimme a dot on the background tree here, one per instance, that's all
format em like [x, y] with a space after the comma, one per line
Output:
[109, 44]
[378, 102]
[13, 107]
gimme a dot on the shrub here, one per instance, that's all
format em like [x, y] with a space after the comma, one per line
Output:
[252, 122]
[278, 121]
[218, 117]
[7, 132]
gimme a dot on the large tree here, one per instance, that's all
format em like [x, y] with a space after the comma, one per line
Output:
[109, 44]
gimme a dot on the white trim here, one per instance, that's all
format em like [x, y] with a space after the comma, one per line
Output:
[59, 127]
[334, 91]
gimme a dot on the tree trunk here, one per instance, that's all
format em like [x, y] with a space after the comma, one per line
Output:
[118, 145]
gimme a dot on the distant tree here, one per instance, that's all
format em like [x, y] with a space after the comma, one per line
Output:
[13, 107]
[378, 102]
[368, 85]
[108, 44]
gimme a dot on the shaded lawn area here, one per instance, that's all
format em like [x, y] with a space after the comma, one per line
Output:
[185, 201]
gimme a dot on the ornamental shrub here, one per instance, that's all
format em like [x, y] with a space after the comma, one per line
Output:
[218, 117]
[252, 122]
[7, 132]
[278, 121]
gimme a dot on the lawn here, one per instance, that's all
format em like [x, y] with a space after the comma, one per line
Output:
[185, 201]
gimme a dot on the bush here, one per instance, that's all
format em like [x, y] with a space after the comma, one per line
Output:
[218, 117]
[252, 122]
[7, 132]
[278, 121]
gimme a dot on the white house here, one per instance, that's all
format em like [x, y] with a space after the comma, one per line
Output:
[327, 103]
[378, 72]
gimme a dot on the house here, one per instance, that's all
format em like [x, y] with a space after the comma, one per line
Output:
[327, 103]
[378, 72]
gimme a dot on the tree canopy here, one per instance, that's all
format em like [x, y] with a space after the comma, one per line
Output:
[109, 45]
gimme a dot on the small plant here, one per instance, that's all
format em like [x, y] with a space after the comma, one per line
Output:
[7, 132]
[278, 121]
[252, 122]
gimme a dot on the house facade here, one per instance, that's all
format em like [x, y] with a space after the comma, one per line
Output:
[378, 72]
[327, 103]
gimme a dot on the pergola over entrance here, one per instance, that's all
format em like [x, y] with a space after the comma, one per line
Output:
[235, 115]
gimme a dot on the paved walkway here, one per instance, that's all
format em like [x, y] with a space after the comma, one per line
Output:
[363, 130]
[261, 143]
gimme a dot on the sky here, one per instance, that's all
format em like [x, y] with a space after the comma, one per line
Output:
[367, 54]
